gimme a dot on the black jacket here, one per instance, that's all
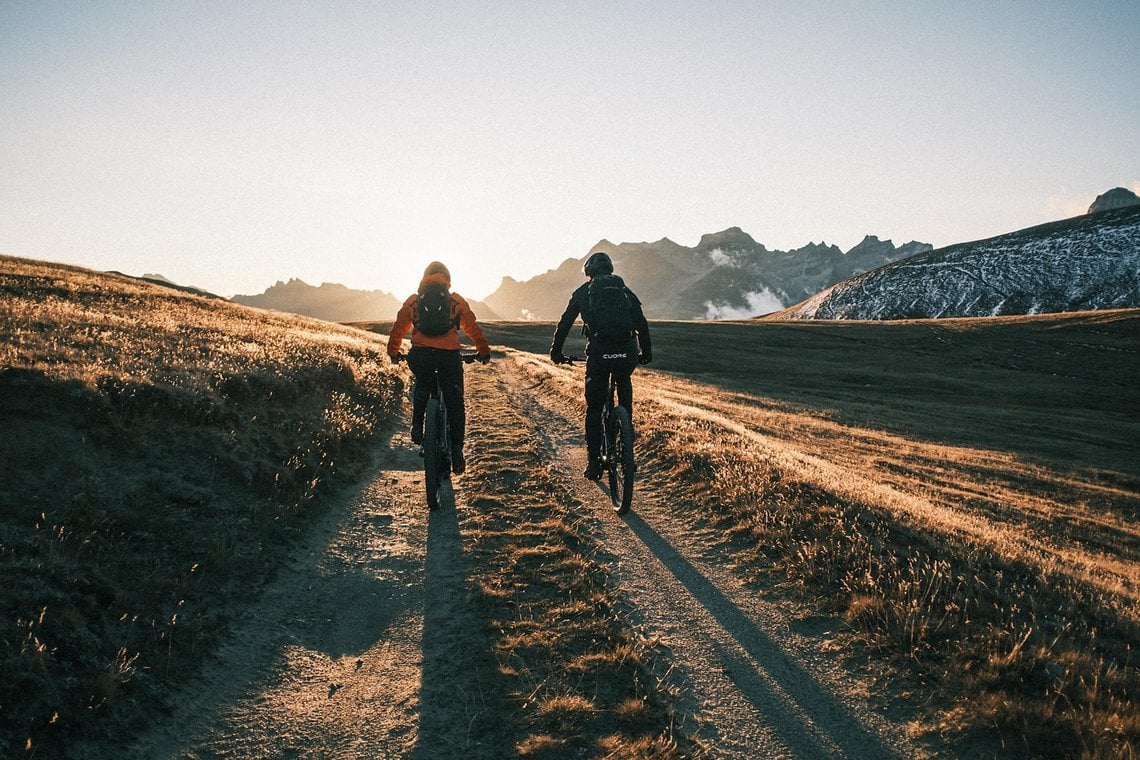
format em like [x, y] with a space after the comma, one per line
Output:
[574, 310]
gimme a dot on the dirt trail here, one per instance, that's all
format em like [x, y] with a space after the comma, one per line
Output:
[756, 683]
[361, 648]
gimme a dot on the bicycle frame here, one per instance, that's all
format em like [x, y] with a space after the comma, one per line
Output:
[616, 449]
[437, 440]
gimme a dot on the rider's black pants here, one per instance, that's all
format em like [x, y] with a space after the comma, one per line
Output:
[426, 364]
[600, 364]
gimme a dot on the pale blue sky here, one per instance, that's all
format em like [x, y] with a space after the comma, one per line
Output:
[228, 145]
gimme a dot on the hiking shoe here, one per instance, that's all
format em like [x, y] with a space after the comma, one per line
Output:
[417, 436]
[458, 463]
[593, 470]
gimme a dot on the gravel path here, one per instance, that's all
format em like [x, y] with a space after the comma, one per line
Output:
[360, 648]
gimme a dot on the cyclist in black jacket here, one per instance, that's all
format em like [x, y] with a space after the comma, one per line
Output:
[617, 341]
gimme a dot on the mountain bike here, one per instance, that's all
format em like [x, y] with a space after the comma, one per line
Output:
[616, 451]
[437, 441]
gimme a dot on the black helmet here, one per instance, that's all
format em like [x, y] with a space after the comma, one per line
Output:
[598, 263]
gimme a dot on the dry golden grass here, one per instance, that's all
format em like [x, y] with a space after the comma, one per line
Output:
[1010, 636]
[999, 585]
[539, 745]
[580, 681]
[160, 448]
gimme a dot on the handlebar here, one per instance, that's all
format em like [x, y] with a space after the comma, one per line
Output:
[467, 358]
[569, 360]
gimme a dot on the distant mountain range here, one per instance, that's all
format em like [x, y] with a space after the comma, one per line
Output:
[727, 275]
[1088, 262]
[1085, 263]
[1117, 197]
[336, 303]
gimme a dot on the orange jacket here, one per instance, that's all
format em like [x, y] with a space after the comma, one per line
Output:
[405, 321]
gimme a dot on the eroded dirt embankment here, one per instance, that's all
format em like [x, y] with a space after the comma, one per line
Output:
[526, 619]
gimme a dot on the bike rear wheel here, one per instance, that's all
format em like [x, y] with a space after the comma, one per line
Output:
[621, 460]
[434, 458]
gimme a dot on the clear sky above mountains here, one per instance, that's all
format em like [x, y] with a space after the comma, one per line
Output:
[229, 145]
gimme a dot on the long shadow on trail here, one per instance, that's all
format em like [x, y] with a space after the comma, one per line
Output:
[804, 713]
[460, 706]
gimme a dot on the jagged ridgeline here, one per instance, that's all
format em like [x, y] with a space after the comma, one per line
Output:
[1085, 263]
[726, 275]
[328, 301]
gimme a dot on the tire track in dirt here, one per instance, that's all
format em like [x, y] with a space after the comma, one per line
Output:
[754, 683]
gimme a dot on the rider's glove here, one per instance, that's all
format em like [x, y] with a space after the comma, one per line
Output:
[484, 358]
[646, 357]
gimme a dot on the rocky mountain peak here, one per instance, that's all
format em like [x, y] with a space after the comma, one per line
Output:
[1117, 197]
[871, 243]
[734, 239]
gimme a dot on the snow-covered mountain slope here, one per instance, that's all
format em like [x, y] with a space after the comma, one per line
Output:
[1085, 263]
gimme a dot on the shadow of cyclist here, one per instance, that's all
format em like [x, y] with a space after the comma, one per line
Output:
[806, 715]
[460, 706]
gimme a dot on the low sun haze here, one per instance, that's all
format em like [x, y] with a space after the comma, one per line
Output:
[227, 146]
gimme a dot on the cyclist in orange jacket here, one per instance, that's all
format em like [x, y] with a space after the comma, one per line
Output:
[435, 352]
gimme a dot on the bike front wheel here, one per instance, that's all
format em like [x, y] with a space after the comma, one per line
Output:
[622, 467]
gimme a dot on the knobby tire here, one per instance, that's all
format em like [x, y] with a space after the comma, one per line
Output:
[621, 460]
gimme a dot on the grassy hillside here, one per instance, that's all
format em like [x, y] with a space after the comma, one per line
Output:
[159, 449]
[960, 498]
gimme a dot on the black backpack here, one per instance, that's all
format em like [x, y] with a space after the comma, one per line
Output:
[607, 312]
[433, 310]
